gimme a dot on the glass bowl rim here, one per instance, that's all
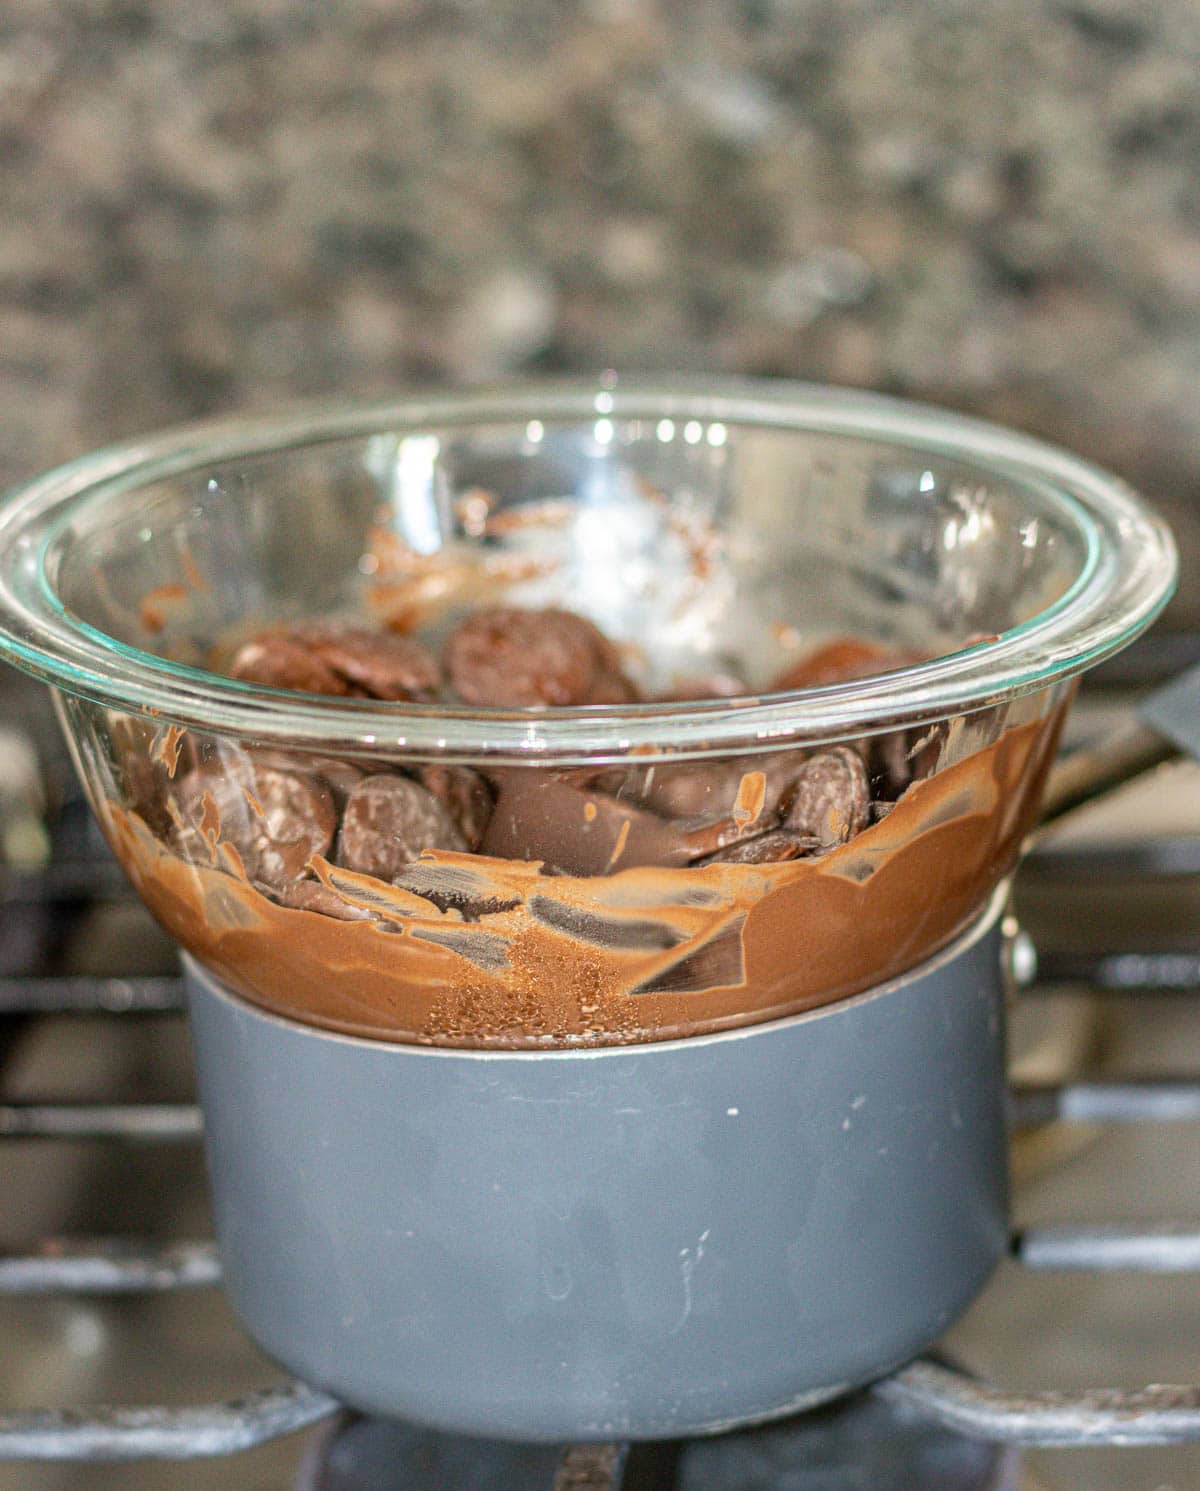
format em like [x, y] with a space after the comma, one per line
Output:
[1129, 577]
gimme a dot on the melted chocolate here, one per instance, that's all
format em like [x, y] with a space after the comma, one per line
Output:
[490, 950]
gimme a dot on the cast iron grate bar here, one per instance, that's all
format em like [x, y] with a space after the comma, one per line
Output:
[1119, 972]
[163, 1433]
[91, 996]
[1146, 1099]
[1170, 856]
[1098, 1416]
[142, 1123]
[96, 878]
[1098, 1247]
[109, 1265]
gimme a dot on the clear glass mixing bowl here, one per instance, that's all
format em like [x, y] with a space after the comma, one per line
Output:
[608, 873]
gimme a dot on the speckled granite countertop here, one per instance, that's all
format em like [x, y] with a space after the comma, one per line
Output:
[218, 204]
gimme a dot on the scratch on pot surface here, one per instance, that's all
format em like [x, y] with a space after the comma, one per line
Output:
[688, 1259]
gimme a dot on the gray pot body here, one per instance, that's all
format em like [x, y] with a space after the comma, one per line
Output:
[631, 1242]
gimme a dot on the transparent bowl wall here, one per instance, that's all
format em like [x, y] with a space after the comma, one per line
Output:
[717, 533]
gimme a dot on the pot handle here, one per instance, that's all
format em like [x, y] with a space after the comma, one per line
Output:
[1167, 725]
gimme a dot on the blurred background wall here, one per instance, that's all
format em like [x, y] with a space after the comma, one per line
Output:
[220, 204]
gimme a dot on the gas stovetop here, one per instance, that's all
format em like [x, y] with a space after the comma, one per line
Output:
[109, 1286]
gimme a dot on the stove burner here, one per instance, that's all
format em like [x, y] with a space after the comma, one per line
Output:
[370, 1454]
[861, 1442]
[365, 1454]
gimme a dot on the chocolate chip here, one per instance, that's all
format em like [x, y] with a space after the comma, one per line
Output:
[140, 771]
[592, 823]
[314, 895]
[711, 789]
[278, 662]
[830, 800]
[692, 789]
[705, 839]
[781, 769]
[294, 819]
[840, 661]
[388, 822]
[465, 795]
[889, 762]
[612, 688]
[330, 657]
[512, 658]
[209, 807]
[276, 820]
[771, 848]
[381, 665]
[902, 757]
[341, 777]
[705, 686]
[573, 828]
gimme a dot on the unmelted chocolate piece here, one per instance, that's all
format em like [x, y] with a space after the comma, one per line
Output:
[276, 820]
[509, 657]
[902, 757]
[314, 895]
[782, 768]
[704, 686]
[145, 789]
[773, 848]
[331, 657]
[711, 789]
[612, 688]
[578, 830]
[831, 798]
[705, 839]
[389, 820]
[341, 777]
[279, 662]
[465, 795]
[381, 665]
[842, 660]
[706, 804]
[691, 789]
[294, 819]
[889, 762]
[208, 807]
[140, 770]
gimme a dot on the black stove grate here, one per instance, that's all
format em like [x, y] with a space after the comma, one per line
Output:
[930, 1390]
